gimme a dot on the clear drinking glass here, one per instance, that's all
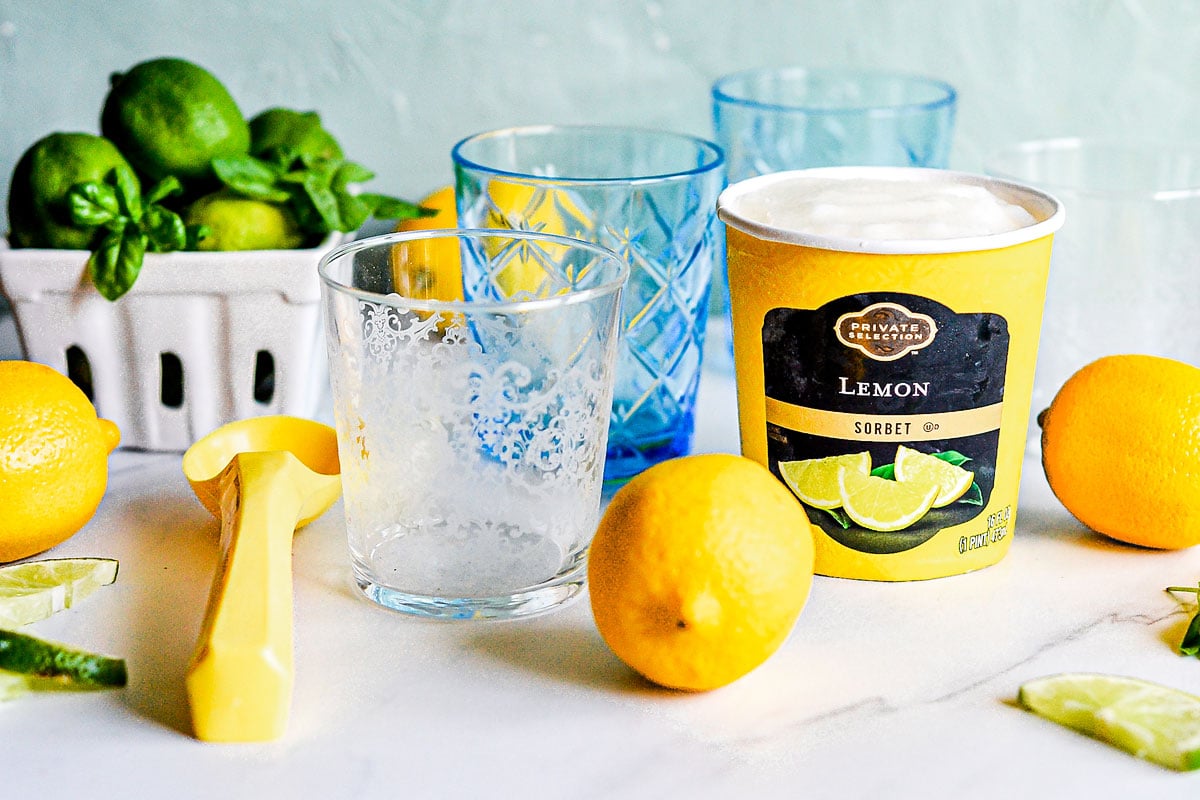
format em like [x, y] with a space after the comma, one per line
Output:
[471, 432]
[777, 119]
[1126, 264]
[651, 197]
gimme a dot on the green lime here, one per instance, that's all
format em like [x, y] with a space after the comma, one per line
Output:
[1153, 722]
[172, 117]
[241, 223]
[299, 131]
[35, 590]
[38, 212]
[28, 655]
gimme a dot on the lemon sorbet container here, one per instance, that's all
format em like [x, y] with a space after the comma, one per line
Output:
[918, 352]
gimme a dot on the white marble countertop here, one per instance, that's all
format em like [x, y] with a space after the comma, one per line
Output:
[883, 690]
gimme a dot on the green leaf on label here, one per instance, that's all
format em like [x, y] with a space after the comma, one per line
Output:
[93, 203]
[839, 516]
[885, 471]
[116, 262]
[973, 496]
[952, 457]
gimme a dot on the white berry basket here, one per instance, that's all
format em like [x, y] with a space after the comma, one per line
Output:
[200, 340]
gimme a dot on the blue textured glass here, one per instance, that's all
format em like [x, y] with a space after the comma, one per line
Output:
[771, 120]
[651, 197]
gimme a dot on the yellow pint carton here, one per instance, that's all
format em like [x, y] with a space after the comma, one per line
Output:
[885, 326]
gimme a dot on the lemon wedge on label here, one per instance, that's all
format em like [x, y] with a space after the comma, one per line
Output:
[1153, 722]
[917, 468]
[879, 504]
[815, 480]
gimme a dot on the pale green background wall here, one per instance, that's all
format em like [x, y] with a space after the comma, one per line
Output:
[399, 81]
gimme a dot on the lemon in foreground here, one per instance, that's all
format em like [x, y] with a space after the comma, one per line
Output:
[53, 458]
[815, 480]
[921, 469]
[172, 117]
[882, 505]
[242, 223]
[1153, 722]
[1121, 449]
[38, 211]
[699, 569]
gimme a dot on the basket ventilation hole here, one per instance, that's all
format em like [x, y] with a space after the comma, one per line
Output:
[79, 370]
[172, 380]
[264, 377]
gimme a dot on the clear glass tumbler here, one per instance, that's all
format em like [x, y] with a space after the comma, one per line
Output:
[471, 432]
[776, 119]
[1126, 264]
[651, 197]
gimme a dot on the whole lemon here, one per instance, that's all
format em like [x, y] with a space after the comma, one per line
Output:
[699, 569]
[1121, 449]
[38, 212]
[241, 223]
[429, 269]
[172, 117]
[53, 458]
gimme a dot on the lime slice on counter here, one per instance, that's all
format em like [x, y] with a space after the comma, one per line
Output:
[879, 504]
[30, 656]
[1153, 722]
[37, 589]
[815, 480]
[915, 467]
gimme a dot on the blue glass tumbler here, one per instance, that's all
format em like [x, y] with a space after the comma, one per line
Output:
[776, 119]
[648, 195]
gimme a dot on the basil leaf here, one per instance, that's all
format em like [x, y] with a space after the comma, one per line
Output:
[352, 210]
[164, 230]
[952, 457]
[385, 207]
[349, 173]
[116, 262]
[251, 177]
[93, 203]
[1190, 646]
[129, 192]
[885, 471]
[323, 202]
[167, 187]
[194, 234]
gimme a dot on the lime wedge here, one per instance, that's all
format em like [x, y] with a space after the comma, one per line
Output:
[815, 480]
[1153, 722]
[915, 467]
[36, 589]
[28, 655]
[878, 504]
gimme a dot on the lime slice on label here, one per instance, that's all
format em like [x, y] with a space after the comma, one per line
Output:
[915, 467]
[27, 655]
[1153, 722]
[37, 589]
[815, 480]
[879, 504]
